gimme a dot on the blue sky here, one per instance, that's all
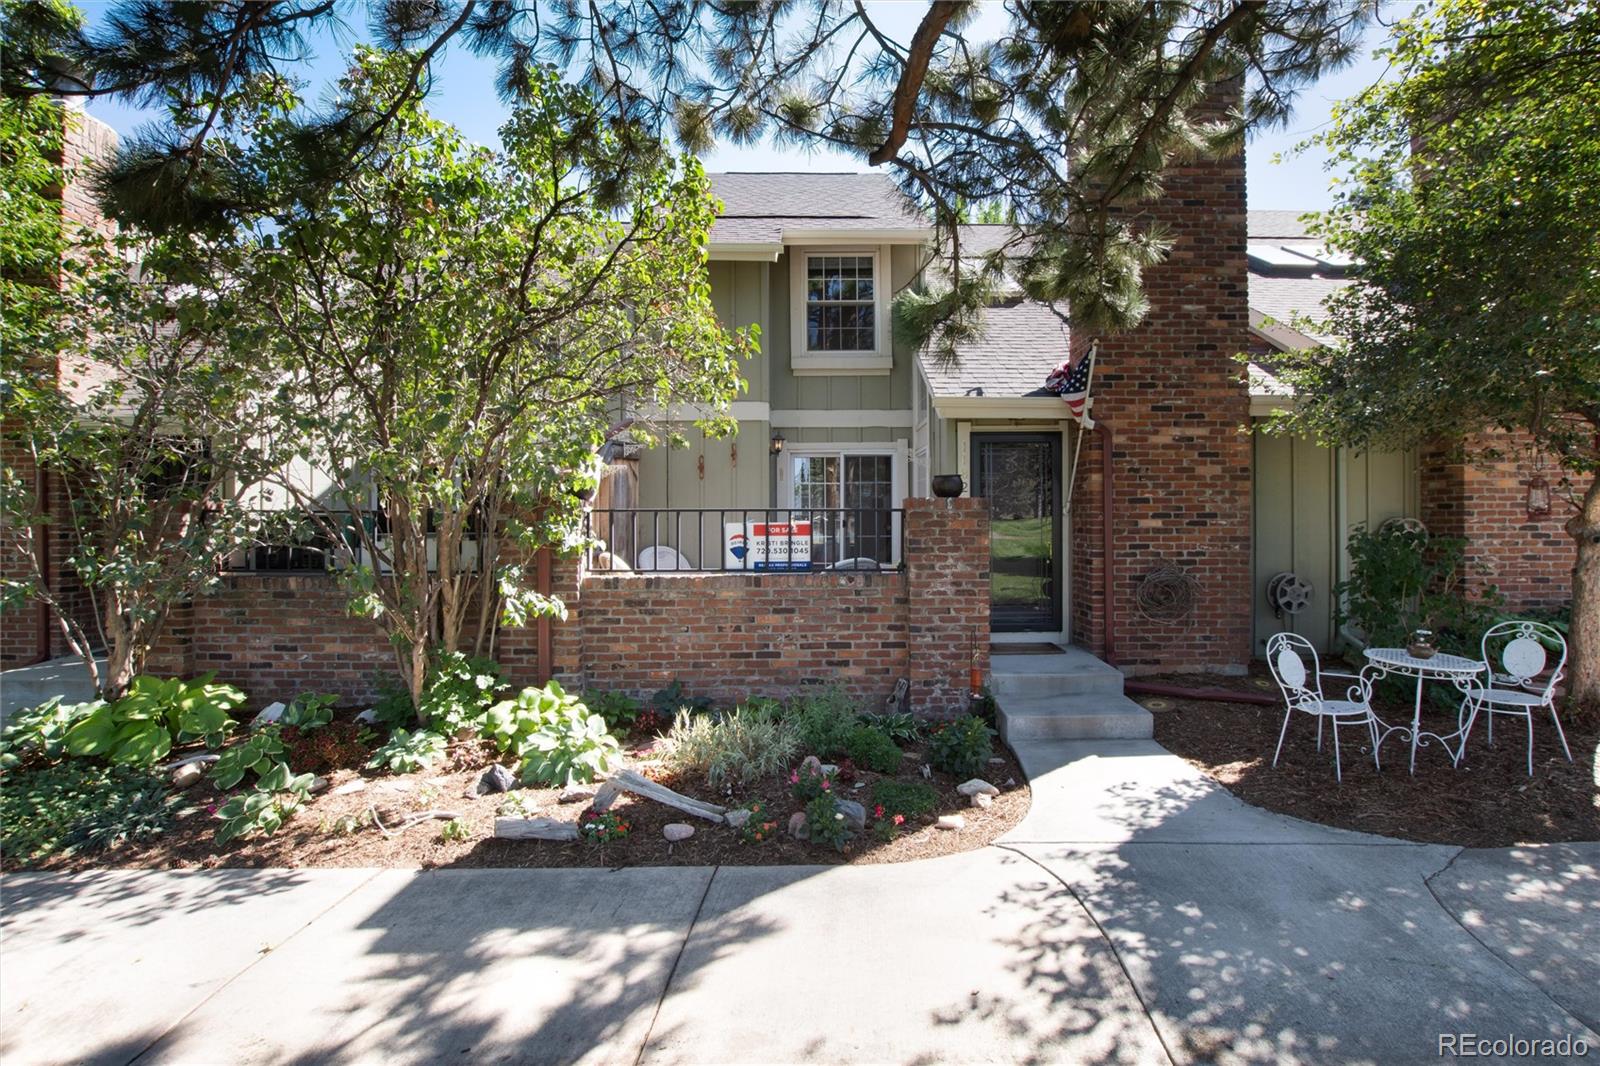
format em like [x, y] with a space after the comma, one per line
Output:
[463, 94]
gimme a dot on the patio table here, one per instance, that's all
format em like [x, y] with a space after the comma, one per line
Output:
[1455, 669]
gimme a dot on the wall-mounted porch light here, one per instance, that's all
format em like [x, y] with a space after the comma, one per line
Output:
[778, 442]
[1538, 497]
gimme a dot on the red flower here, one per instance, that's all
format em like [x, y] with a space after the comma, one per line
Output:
[899, 819]
[877, 812]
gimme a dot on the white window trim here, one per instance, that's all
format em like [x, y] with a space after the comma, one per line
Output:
[880, 359]
[899, 461]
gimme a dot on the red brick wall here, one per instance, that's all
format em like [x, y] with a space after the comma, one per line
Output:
[733, 635]
[275, 636]
[1175, 398]
[1529, 559]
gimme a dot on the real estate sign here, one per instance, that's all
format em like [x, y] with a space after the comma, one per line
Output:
[767, 546]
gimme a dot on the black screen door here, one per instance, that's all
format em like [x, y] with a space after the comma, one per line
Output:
[1019, 474]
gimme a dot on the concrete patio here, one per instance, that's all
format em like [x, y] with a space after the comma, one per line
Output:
[1139, 914]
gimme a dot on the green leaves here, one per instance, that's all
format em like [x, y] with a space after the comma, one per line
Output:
[406, 752]
[142, 727]
[256, 755]
[558, 740]
[277, 795]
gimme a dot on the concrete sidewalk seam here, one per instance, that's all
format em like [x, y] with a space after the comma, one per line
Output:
[1427, 882]
[666, 986]
[260, 955]
[1389, 842]
[1111, 946]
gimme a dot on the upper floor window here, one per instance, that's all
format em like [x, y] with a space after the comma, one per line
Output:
[839, 312]
[841, 303]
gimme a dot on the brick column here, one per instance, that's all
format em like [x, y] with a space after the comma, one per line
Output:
[947, 591]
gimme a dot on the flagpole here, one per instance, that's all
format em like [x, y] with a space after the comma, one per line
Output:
[1084, 425]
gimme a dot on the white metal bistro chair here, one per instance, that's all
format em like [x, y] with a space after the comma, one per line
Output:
[1512, 682]
[1301, 685]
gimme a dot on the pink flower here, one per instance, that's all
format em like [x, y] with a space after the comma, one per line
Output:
[877, 812]
[794, 778]
[825, 785]
[899, 819]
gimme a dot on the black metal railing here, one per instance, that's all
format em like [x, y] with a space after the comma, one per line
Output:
[306, 550]
[738, 539]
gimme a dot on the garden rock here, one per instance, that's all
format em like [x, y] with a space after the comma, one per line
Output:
[318, 784]
[976, 786]
[188, 774]
[576, 795]
[982, 800]
[676, 831]
[358, 785]
[997, 761]
[797, 826]
[951, 821]
[737, 818]
[810, 765]
[270, 713]
[496, 779]
[853, 812]
[829, 769]
[368, 717]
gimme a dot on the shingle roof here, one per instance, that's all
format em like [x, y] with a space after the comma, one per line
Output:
[1023, 341]
[1276, 224]
[760, 206]
[1284, 295]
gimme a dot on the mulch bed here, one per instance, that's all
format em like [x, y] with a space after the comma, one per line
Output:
[337, 829]
[1489, 801]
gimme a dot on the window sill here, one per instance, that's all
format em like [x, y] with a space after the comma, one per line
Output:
[831, 363]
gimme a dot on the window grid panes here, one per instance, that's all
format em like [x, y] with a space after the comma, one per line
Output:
[863, 486]
[841, 303]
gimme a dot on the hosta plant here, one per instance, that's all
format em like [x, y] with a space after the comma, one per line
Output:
[41, 731]
[569, 747]
[255, 755]
[277, 795]
[156, 713]
[902, 728]
[308, 711]
[406, 752]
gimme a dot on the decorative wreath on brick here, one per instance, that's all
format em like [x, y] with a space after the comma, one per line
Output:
[1167, 595]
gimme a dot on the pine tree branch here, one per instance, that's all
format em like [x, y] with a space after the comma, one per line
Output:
[911, 78]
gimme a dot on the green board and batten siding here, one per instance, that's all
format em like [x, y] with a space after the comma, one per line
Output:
[1307, 499]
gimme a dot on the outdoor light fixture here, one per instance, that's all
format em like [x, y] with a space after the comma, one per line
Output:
[1538, 497]
[777, 443]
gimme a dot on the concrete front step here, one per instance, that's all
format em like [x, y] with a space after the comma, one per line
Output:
[1073, 672]
[1092, 716]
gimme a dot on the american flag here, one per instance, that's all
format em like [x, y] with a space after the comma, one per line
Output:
[1071, 383]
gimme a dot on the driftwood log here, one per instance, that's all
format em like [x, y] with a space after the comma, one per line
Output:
[640, 785]
[535, 829]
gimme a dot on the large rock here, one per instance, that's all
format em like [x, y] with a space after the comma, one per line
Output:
[676, 831]
[982, 800]
[496, 779]
[737, 818]
[854, 813]
[188, 774]
[976, 787]
[797, 826]
[951, 821]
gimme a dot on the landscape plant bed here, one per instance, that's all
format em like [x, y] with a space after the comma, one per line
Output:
[1488, 801]
[341, 828]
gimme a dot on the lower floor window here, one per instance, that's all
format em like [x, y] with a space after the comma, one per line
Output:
[852, 497]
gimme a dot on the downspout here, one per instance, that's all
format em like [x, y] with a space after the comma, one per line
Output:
[545, 638]
[1107, 538]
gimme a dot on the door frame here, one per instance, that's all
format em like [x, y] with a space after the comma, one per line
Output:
[1056, 624]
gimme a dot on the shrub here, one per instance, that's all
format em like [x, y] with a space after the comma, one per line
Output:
[255, 755]
[40, 732]
[406, 752]
[910, 798]
[567, 745]
[823, 721]
[80, 806]
[264, 809]
[308, 711]
[1402, 580]
[602, 827]
[962, 748]
[825, 824]
[157, 713]
[453, 830]
[742, 746]
[458, 691]
[873, 750]
[902, 728]
[619, 709]
[669, 701]
[809, 782]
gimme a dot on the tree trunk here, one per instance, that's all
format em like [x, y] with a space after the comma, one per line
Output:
[1583, 669]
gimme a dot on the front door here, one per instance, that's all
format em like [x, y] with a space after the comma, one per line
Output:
[1019, 474]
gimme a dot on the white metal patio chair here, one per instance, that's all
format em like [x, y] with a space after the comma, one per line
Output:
[662, 557]
[1301, 685]
[1512, 684]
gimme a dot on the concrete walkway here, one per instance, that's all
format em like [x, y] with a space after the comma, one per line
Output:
[1139, 914]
